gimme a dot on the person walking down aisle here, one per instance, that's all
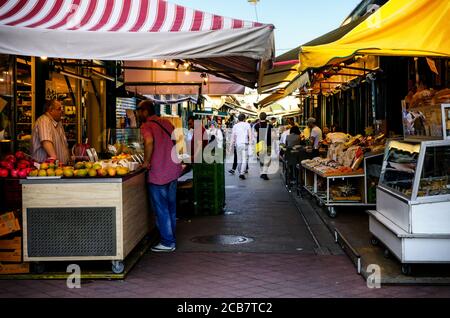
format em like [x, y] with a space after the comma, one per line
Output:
[235, 161]
[241, 138]
[163, 172]
[49, 138]
[264, 133]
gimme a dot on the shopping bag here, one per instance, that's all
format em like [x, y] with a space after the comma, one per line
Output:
[260, 146]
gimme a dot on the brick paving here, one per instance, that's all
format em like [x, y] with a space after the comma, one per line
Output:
[240, 271]
[227, 275]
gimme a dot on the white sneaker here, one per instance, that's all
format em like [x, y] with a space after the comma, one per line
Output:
[162, 248]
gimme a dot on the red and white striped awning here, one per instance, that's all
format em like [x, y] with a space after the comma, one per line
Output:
[113, 16]
[128, 30]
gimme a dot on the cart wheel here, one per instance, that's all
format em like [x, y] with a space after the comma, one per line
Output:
[38, 268]
[406, 269]
[332, 212]
[387, 253]
[117, 267]
[374, 241]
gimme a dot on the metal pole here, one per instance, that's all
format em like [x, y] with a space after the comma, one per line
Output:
[416, 65]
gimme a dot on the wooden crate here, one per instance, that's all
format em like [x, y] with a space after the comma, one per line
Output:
[11, 256]
[8, 223]
[21, 268]
[11, 249]
[11, 244]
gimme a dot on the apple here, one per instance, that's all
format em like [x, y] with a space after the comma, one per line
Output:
[102, 172]
[68, 173]
[4, 173]
[112, 172]
[33, 173]
[92, 172]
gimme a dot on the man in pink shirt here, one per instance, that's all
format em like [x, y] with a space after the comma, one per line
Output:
[164, 169]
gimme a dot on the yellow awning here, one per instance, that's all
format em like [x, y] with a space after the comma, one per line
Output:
[398, 28]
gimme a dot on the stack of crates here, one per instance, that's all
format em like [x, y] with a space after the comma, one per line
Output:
[209, 188]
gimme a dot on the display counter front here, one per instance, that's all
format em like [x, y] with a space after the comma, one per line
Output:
[84, 218]
[412, 216]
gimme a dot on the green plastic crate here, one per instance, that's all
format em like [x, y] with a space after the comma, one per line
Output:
[209, 188]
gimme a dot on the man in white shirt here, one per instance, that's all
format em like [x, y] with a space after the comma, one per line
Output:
[241, 138]
[315, 136]
[284, 134]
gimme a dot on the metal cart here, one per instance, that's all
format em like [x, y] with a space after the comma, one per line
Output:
[312, 177]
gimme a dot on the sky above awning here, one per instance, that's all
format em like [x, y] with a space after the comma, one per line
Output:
[399, 28]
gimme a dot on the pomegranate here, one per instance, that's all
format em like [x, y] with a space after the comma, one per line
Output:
[7, 164]
[20, 155]
[10, 158]
[23, 164]
[4, 173]
[22, 173]
[14, 173]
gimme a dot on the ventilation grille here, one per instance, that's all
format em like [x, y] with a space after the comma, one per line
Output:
[59, 232]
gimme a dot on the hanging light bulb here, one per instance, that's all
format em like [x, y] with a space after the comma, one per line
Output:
[164, 64]
[155, 60]
[186, 64]
[44, 58]
[172, 63]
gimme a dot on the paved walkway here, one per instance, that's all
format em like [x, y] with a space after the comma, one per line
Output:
[284, 260]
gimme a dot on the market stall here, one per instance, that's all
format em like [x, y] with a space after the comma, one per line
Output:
[413, 202]
[348, 175]
[100, 218]
[152, 29]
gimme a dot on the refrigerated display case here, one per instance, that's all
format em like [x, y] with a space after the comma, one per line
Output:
[412, 216]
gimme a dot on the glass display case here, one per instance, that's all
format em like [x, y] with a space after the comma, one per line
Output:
[446, 120]
[399, 167]
[412, 216]
[417, 169]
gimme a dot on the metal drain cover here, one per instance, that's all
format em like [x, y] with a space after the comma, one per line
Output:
[222, 239]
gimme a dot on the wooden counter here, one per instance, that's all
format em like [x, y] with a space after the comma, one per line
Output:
[84, 218]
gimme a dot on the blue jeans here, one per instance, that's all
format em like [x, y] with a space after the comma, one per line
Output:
[163, 199]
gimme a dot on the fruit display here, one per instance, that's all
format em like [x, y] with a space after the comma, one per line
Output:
[122, 156]
[81, 169]
[15, 166]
